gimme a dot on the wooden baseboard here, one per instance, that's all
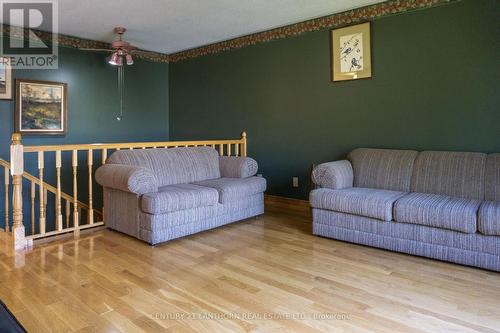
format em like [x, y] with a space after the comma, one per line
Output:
[295, 205]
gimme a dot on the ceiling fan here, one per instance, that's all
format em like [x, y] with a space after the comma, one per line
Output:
[121, 50]
[121, 53]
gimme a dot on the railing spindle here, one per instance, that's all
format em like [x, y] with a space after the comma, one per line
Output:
[237, 150]
[45, 192]
[104, 156]
[59, 218]
[228, 149]
[244, 144]
[103, 161]
[68, 212]
[42, 221]
[221, 150]
[33, 196]
[91, 194]
[7, 185]
[76, 223]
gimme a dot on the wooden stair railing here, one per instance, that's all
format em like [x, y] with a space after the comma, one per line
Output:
[237, 147]
[34, 181]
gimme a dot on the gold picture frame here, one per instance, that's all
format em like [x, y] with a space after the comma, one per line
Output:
[5, 78]
[351, 53]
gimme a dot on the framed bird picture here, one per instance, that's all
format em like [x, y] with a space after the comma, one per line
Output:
[351, 53]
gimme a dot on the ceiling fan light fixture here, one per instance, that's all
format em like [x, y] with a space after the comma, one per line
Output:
[119, 61]
[129, 59]
[113, 59]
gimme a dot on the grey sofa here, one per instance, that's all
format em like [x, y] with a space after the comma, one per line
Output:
[441, 205]
[160, 194]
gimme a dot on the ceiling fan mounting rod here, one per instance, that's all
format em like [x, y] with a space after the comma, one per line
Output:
[120, 31]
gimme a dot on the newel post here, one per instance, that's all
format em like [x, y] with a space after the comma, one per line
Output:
[17, 170]
[244, 145]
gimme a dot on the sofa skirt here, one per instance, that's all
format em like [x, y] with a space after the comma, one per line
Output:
[467, 249]
[160, 228]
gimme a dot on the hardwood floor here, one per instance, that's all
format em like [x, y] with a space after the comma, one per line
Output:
[255, 272]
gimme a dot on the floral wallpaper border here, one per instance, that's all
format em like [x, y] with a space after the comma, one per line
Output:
[362, 14]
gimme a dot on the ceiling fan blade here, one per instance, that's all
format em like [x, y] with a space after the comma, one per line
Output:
[97, 50]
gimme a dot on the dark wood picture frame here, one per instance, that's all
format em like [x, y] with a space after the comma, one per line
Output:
[19, 111]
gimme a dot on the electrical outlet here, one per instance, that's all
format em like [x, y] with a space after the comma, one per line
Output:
[295, 181]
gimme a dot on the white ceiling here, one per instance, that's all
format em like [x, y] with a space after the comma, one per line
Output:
[169, 26]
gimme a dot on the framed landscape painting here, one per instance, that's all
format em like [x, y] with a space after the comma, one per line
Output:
[351, 53]
[41, 107]
[5, 78]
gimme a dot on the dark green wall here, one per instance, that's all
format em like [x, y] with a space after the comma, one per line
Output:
[435, 86]
[92, 108]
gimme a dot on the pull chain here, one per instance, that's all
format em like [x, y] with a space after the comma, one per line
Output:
[121, 90]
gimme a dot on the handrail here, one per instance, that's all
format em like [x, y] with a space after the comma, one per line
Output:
[97, 146]
[49, 187]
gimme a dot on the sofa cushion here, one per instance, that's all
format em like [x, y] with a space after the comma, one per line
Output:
[453, 174]
[438, 211]
[386, 169]
[173, 165]
[178, 197]
[493, 177]
[231, 189]
[367, 202]
[489, 218]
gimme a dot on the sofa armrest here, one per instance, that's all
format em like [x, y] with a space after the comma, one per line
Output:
[127, 178]
[237, 167]
[335, 175]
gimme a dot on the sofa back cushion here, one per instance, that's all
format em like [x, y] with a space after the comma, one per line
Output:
[387, 169]
[493, 177]
[454, 174]
[173, 165]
